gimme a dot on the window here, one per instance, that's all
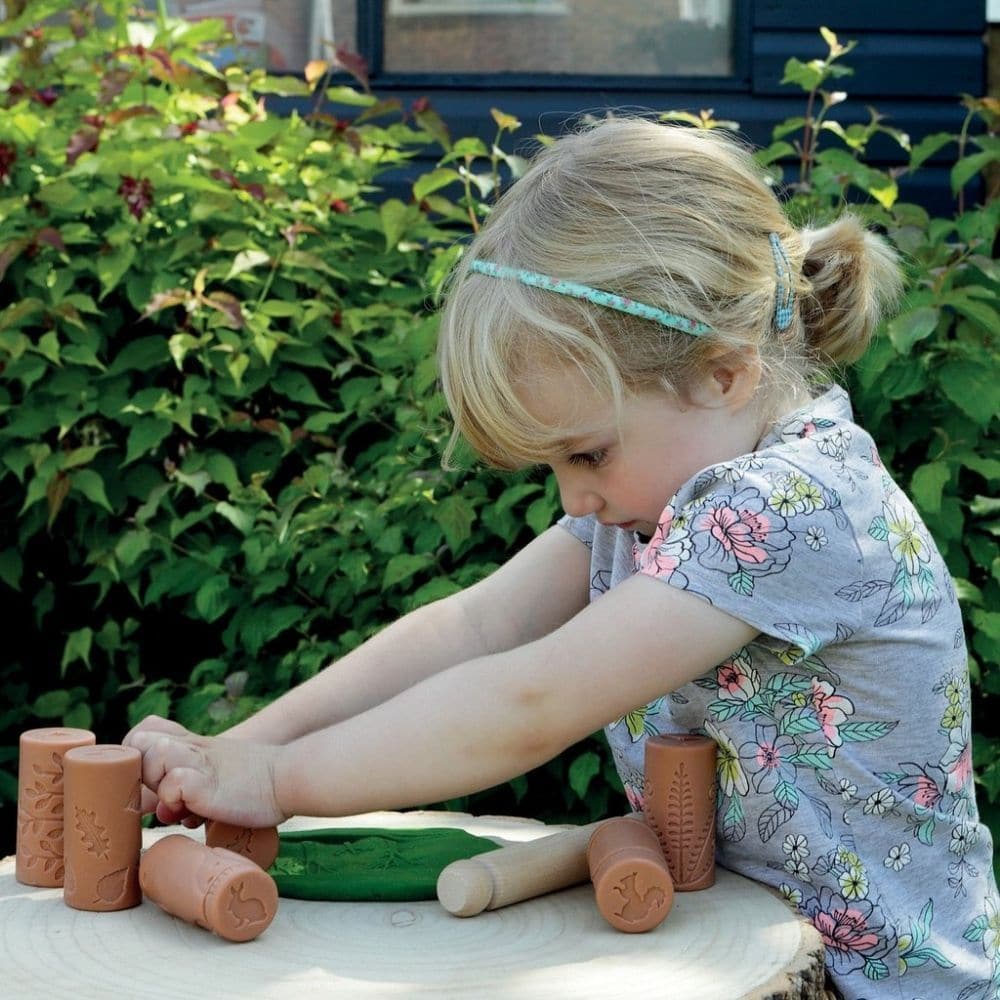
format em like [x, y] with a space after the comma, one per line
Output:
[579, 37]
[536, 38]
[282, 35]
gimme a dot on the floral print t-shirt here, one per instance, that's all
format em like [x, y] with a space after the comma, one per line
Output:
[845, 770]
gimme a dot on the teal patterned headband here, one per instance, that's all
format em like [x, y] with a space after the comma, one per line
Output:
[607, 299]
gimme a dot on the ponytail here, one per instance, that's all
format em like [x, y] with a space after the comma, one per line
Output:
[855, 278]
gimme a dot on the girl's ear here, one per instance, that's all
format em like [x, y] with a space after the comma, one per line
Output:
[732, 381]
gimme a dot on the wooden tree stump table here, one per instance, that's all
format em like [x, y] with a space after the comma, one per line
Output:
[735, 941]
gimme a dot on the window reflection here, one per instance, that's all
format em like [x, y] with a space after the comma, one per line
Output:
[627, 38]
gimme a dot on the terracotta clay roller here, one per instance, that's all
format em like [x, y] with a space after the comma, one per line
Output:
[259, 844]
[632, 884]
[217, 889]
[103, 827]
[679, 805]
[40, 803]
[515, 872]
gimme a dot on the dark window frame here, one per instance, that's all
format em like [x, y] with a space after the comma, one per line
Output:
[371, 45]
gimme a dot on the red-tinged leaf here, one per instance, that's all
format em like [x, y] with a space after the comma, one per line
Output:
[55, 492]
[84, 140]
[432, 123]
[225, 175]
[390, 105]
[137, 193]
[8, 157]
[254, 190]
[163, 58]
[164, 300]
[352, 63]
[136, 111]
[228, 305]
[50, 237]
[291, 233]
[112, 84]
[10, 253]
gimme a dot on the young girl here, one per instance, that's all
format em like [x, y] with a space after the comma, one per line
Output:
[639, 315]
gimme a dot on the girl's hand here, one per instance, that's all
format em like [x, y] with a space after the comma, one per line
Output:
[228, 780]
[150, 801]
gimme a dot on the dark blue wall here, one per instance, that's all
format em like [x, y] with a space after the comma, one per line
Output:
[913, 62]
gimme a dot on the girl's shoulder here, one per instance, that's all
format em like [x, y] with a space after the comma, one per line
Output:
[813, 457]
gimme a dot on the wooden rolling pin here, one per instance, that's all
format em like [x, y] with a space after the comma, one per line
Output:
[516, 872]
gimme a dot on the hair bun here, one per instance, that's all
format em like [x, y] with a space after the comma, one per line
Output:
[854, 278]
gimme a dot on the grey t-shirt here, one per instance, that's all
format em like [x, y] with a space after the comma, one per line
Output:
[845, 771]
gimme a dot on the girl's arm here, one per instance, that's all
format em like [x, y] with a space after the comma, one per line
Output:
[466, 728]
[537, 590]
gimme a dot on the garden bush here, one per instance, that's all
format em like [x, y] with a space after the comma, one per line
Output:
[220, 429]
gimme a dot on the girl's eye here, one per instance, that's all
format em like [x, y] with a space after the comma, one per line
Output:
[590, 459]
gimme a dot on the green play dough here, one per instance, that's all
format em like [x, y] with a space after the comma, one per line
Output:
[369, 864]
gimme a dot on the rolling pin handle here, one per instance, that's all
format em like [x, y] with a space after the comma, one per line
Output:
[465, 888]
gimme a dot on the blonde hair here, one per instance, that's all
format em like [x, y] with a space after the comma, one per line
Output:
[671, 216]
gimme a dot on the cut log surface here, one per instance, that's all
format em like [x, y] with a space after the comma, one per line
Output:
[734, 940]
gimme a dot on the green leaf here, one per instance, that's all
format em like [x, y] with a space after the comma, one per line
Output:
[456, 516]
[927, 485]
[143, 354]
[540, 515]
[298, 388]
[154, 700]
[91, 485]
[913, 326]
[348, 95]
[77, 647]
[987, 621]
[973, 388]
[51, 704]
[983, 312]
[239, 517]
[132, 545]
[246, 260]
[402, 567]
[582, 771]
[395, 218]
[237, 366]
[928, 146]
[223, 470]
[11, 568]
[111, 267]
[146, 434]
[211, 597]
[967, 168]
[807, 76]
[79, 716]
[434, 181]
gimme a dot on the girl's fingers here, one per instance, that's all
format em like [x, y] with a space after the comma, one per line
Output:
[156, 724]
[161, 754]
[183, 789]
[149, 800]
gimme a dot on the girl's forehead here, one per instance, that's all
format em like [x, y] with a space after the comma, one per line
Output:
[565, 401]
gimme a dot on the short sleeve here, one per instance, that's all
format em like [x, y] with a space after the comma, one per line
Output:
[766, 541]
[579, 527]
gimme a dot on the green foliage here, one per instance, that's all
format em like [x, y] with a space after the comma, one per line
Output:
[220, 429]
[221, 433]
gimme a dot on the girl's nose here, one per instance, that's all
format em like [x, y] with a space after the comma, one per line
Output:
[579, 502]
